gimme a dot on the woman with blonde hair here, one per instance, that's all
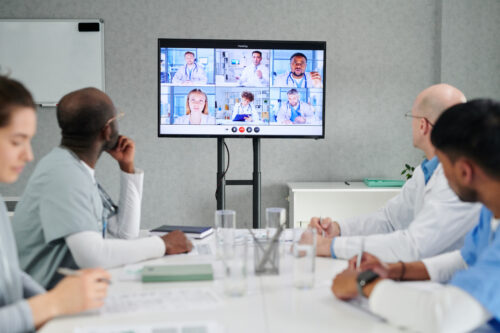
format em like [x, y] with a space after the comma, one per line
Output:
[196, 110]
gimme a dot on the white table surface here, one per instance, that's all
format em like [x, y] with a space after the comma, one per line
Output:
[271, 304]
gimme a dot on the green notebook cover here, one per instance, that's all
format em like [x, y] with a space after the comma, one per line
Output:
[383, 182]
[170, 273]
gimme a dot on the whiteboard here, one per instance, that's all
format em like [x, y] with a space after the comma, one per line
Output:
[51, 57]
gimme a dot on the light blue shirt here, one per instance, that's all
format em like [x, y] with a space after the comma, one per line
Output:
[428, 168]
[15, 285]
[481, 252]
[60, 199]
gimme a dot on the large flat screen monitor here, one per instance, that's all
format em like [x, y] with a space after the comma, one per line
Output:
[240, 88]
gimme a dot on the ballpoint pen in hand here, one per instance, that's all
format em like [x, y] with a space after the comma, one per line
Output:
[360, 254]
[321, 226]
[71, 272]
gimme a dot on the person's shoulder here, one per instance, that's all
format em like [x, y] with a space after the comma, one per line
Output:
[207, 119]
[281, 78]
[182, 120]
[60, 166]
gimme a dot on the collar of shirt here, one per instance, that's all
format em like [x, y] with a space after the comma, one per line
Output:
[428, 167]
[89, 169]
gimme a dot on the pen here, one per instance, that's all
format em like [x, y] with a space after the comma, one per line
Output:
[358, 261]
[322, 230]
[71, 272]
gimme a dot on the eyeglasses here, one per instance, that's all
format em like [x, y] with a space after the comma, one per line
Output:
[409, 115]
[118, 116]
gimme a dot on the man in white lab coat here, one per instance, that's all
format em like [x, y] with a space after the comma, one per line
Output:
[294, 111]
[425, 219]
[191, 73]
[256, 74]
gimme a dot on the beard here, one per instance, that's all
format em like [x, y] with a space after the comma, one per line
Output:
[467, 194]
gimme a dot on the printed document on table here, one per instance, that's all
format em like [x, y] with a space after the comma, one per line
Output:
[201, 327]
[151, 300]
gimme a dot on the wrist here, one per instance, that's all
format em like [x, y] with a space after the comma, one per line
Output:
[367, 290]
[54, 308]
[127, 167]
[395, 270]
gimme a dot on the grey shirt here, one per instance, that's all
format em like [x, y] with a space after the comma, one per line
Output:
[15, 285]
[60, 199]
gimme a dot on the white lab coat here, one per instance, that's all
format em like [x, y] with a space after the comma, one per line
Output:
[249, 109]
[420, 222]
[285, 80]
[250, 79]
[185, 120]
[198, 75]
[285, 112]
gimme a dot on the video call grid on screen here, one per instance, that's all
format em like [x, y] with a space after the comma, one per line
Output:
[214, 88]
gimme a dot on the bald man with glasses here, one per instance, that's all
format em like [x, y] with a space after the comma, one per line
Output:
[425, 219]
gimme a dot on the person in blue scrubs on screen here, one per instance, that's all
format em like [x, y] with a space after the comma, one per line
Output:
[467, 142]
[191, 73]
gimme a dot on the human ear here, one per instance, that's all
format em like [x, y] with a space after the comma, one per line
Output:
[466, 171]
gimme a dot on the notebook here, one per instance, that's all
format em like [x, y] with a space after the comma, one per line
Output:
[194, 231]
[169, 273]
[241, 117]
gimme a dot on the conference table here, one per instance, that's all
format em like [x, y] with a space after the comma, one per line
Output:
[271, 302]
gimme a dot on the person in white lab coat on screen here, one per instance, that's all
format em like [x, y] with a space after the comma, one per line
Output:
[297, 77]
[256, 74]
[196, 110]
[191, 73]
[425, 219]
[245, 111]
[294, 112]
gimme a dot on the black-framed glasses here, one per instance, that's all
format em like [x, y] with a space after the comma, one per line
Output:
[409, 115]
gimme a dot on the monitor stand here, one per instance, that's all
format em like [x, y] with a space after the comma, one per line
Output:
[255, 182]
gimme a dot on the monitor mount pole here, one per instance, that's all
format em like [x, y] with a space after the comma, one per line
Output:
[255, 182]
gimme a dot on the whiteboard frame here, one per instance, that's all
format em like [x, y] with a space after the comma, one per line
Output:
[87, 20]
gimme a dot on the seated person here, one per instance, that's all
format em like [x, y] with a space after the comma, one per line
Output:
[190, 73]
[467, 139]
[245, 111]
[196, 110]
[24, 304]
[64, 218]
[297, 77]
[256, 74]
[294, 111]
[426, 218]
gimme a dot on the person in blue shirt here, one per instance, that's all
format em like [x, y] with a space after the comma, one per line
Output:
[467, 139]
[24, 304]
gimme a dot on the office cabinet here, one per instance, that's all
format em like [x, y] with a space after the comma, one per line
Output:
[334, 199]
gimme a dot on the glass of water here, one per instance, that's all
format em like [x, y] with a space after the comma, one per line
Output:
[235, 267]
[304, 255]
[275, 216]
[225, 224]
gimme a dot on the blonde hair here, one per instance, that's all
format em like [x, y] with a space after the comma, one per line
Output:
[197, 91]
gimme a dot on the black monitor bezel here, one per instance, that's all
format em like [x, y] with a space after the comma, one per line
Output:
[239, 44]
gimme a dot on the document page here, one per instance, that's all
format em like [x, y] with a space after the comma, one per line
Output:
[161, 300]
[202, 327]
